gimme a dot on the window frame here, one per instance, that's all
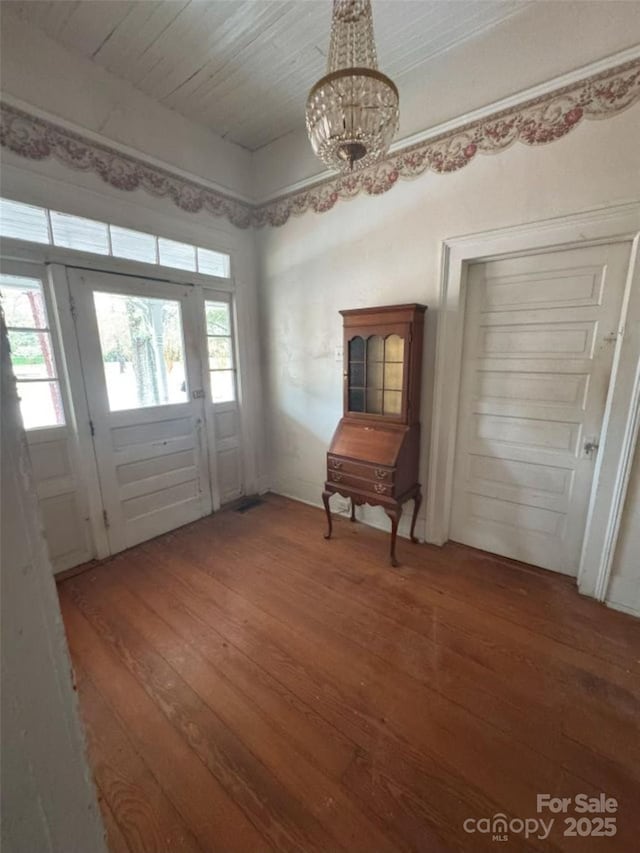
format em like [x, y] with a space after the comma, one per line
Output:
[21, 269]
[157, 237]
[213, 296]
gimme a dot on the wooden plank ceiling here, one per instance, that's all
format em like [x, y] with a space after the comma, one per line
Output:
[243, 68]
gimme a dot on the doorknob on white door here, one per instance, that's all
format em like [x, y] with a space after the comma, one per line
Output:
[591, 446]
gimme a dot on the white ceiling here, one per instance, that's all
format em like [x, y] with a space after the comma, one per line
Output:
[243, 68]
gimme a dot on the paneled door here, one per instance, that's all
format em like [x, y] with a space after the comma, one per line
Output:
[138, 342]
[39, 366]
[539, 339]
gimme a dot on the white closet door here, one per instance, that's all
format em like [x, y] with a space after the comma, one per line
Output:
[538, 347]
[139, 348]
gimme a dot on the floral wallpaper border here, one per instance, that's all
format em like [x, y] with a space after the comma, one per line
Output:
[534, 122]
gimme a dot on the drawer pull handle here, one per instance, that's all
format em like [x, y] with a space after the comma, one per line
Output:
[336, 463]
[336, 477]
[381, 474]
[380, 488]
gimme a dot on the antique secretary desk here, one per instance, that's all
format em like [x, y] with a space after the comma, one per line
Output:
[374, 454]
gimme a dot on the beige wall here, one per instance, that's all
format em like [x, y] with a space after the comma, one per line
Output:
[385, 250]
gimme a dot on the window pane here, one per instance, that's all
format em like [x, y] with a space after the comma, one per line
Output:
[23, 221]
[182, 256]
[213, 263]
[220, 354]
[74, 232]
[223, 386]
[23, 301]
[218, 318]
[31, 355]
[135, 245]
[142, 350]
[40, 404]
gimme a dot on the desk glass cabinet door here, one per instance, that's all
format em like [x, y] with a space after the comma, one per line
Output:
[376, 375]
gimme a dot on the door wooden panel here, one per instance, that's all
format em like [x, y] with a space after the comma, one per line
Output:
[538, 348]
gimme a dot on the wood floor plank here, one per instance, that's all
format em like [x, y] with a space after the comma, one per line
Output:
[281, 692]
[326, 799]
[145, 817]
[216, 821]
[275, 812]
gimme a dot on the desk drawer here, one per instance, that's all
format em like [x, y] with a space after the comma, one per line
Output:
[348, 481]
[374, 473]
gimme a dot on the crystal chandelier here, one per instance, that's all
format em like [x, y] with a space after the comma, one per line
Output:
[352, 112]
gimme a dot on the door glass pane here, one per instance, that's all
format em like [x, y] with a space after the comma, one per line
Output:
[40, 404]
[23, 302]
[223, 386]
[220, 357]
[31, 355]
[142, 350]
[218, 318]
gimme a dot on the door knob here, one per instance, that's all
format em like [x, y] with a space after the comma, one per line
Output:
[590, 447]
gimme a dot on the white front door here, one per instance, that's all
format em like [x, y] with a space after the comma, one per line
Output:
[139, 348]
[539, 338]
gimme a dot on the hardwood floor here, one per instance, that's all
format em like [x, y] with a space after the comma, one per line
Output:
[248, 686]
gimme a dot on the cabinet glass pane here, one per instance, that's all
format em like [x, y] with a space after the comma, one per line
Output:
[392, 402]
[356, 349]
[394, 348]
[356, 375]
[374, 375]
[375, 348]
[356, 399]
[374, 401]
[393, 376]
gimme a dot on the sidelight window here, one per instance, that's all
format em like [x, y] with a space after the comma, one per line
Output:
[32, 356]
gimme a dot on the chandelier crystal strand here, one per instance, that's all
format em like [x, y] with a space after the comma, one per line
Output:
[352, 112]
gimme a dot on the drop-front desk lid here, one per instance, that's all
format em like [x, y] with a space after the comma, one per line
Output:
[368, 442]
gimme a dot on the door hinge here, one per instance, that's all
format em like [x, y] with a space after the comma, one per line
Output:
[72, 306]
[92, 428]
[105, 518]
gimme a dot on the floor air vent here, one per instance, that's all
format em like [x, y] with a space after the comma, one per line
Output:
[248, 503]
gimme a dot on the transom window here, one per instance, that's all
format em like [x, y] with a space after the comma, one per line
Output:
[32, 356]
[39, 225]
[222, 369]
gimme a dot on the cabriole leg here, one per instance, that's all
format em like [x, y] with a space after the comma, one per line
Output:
[416, 508]
[325, 501]
[394, 515]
